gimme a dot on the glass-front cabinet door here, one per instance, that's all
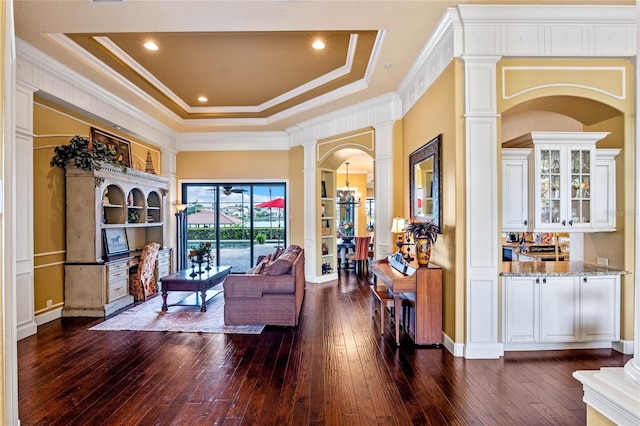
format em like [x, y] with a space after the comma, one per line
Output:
[549, 187]
[563, 186]
[580, 191]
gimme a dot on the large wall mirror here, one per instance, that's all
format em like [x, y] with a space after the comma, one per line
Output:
[424, 183]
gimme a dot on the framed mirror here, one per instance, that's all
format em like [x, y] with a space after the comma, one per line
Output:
[424, 183]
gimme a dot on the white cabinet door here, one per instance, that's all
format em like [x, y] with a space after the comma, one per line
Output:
[515, 189]
[559, 309]
[604, 190]
[600, 308]
[521, 308]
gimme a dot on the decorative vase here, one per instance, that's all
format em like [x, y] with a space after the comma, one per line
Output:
[423, 251]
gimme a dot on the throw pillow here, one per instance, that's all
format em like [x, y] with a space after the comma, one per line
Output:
[282, 265]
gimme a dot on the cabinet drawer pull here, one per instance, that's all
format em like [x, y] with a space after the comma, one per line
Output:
[584, 279]
[544, 281]
[525, 222]
[537, 280]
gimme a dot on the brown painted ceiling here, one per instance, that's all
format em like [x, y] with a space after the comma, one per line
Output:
[251, 59]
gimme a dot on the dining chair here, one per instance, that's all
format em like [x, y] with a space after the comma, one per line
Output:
[361, 254]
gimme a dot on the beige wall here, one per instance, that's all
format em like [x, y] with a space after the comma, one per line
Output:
[53, 126]
[279, 166]
[438, 112]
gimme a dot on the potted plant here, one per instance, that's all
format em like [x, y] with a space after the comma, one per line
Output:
[261, 238]
[425, 234]
[87, 156]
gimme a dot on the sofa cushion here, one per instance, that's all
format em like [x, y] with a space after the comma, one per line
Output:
[261, 267]
[282, 265]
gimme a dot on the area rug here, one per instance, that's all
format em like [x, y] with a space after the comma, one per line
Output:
[148, 316]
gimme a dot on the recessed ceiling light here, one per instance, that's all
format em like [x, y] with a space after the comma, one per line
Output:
[151, 45]
[318, 44]
[202, 99]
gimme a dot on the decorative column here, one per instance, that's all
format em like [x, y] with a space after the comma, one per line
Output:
[482, 207]
[384, 187]
[310, 196]
[22, 155]
[170, 237]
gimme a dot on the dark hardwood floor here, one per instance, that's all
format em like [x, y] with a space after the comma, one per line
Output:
[333, 369]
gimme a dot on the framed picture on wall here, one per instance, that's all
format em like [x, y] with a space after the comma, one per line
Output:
[115, 241]
[121, 146]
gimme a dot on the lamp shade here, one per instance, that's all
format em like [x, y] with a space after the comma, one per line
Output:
[180, 207]
[398, 225]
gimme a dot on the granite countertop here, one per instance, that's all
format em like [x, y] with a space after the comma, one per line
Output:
[528, 269]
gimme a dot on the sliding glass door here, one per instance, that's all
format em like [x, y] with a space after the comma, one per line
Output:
[241, 221]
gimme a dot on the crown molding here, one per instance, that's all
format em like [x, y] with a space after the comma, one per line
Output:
[233, 141]
[385, 108]
[521, 31]
[55, 81]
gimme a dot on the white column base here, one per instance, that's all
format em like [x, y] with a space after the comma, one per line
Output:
[609, 392]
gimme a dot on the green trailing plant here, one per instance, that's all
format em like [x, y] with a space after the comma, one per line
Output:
[77, 152]
[423, 229]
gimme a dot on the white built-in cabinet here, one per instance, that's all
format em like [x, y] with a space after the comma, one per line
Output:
[560, 309]
[570, 185]
[327, 225]
[97, 285]
[515, 189]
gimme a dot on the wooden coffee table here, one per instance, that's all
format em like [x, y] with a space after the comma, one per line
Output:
[193, 280]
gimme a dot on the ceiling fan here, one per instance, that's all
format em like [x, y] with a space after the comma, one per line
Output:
[227, 190]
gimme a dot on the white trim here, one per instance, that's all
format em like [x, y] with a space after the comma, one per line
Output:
[55, 80]
[233, 141]
[608, 392]
[49, 316]
[129, 61]
[456, 349]
[623, 79]
[624, 346]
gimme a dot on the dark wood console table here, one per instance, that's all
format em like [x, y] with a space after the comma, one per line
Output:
[422, 291]
[193, 280]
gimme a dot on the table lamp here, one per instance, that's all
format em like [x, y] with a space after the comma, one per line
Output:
[398, 228]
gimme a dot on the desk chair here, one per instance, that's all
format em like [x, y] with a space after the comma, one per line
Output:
[143, 284]
[361, 255]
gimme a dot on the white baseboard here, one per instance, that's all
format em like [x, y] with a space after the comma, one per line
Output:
[27, 329]
[483, 350]
[624, 346]
[456, 349]
[49, 316]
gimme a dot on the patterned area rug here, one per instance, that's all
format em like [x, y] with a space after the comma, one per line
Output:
[148, 316]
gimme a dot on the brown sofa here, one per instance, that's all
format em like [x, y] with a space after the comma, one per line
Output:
[271, 293]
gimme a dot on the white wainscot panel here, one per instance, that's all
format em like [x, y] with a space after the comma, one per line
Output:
[482, 314]
[522, 39]
[24, 101]
[479, 39]
[24, 299]
[81, 98]
[481, 96]
[54, 85]
[566, 40]
[611, 40]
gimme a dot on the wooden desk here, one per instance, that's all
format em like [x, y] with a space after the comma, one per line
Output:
[423, 292]
[190, 280]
